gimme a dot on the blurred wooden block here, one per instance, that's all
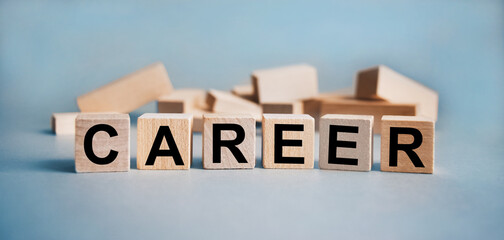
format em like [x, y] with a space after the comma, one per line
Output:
[311, 106]
[225, 102]
[182, 101]
[288, 141]
[346, 142]
[128, 93]
[378, 109]
[229, 141]
[164, 141]
[384, 83]
[102, 142]
[245, 91]
[198, 120]
[63, 123]
[407, 144]
[285, 84]
[293, 107]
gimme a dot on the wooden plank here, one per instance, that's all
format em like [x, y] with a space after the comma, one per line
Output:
[225, 102]
[346, 142]
[164, 131]
[293, 107]
[182, 101]
[238, 129]
[245, 91]
[383, 83]
[63, 123]
[407, 144]
[348, 105]
[285, 84]
[128, 93]
[288, 141]
[109, 134]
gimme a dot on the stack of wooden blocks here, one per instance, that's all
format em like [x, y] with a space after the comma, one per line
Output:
[287, 102]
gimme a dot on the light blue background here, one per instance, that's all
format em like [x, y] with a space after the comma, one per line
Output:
[51, 52]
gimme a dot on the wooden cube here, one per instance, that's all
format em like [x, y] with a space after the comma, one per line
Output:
[285, 84]
[383, 83]
[129, 92]
[288, 141]
[102, 142]
[229, 141]
[63, 123]
[182, 101]
[346, 142]
[164, 141]
[407, 144]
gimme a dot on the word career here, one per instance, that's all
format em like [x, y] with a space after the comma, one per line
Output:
[102, 142]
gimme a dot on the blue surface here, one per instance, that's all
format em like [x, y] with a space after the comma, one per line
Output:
[51, 52]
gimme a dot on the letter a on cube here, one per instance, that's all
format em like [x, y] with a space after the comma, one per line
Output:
[164, 141]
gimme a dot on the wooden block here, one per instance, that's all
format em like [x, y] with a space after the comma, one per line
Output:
[225, 102]
[198, 120]
[285, 84]
[128, 93]
[63, 123]
[102, 142]
[229, 141]
[288, 141]
[245, 91]
[293, 107]
[311, 106]
[182, 101]
[164, 141]
[346, 142]
[349, 105]
[384, 83]
[407, 144]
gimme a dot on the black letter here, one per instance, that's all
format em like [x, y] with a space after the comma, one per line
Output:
[280, 143]
[334, 144]
[407, 148]
[230, 144]
[88, 144]
[164, 131]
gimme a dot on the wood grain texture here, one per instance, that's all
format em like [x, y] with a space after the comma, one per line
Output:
[307, 137]
[383, 83]
[63, 123]
[425, 151]
[349, 105]
[180, 126]
[225, 102]
[246, 147]
[245, 91]
[129, 92]
[285, 84]
[363, 139]
[182, 101]
[293, 107]
[102, 142]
